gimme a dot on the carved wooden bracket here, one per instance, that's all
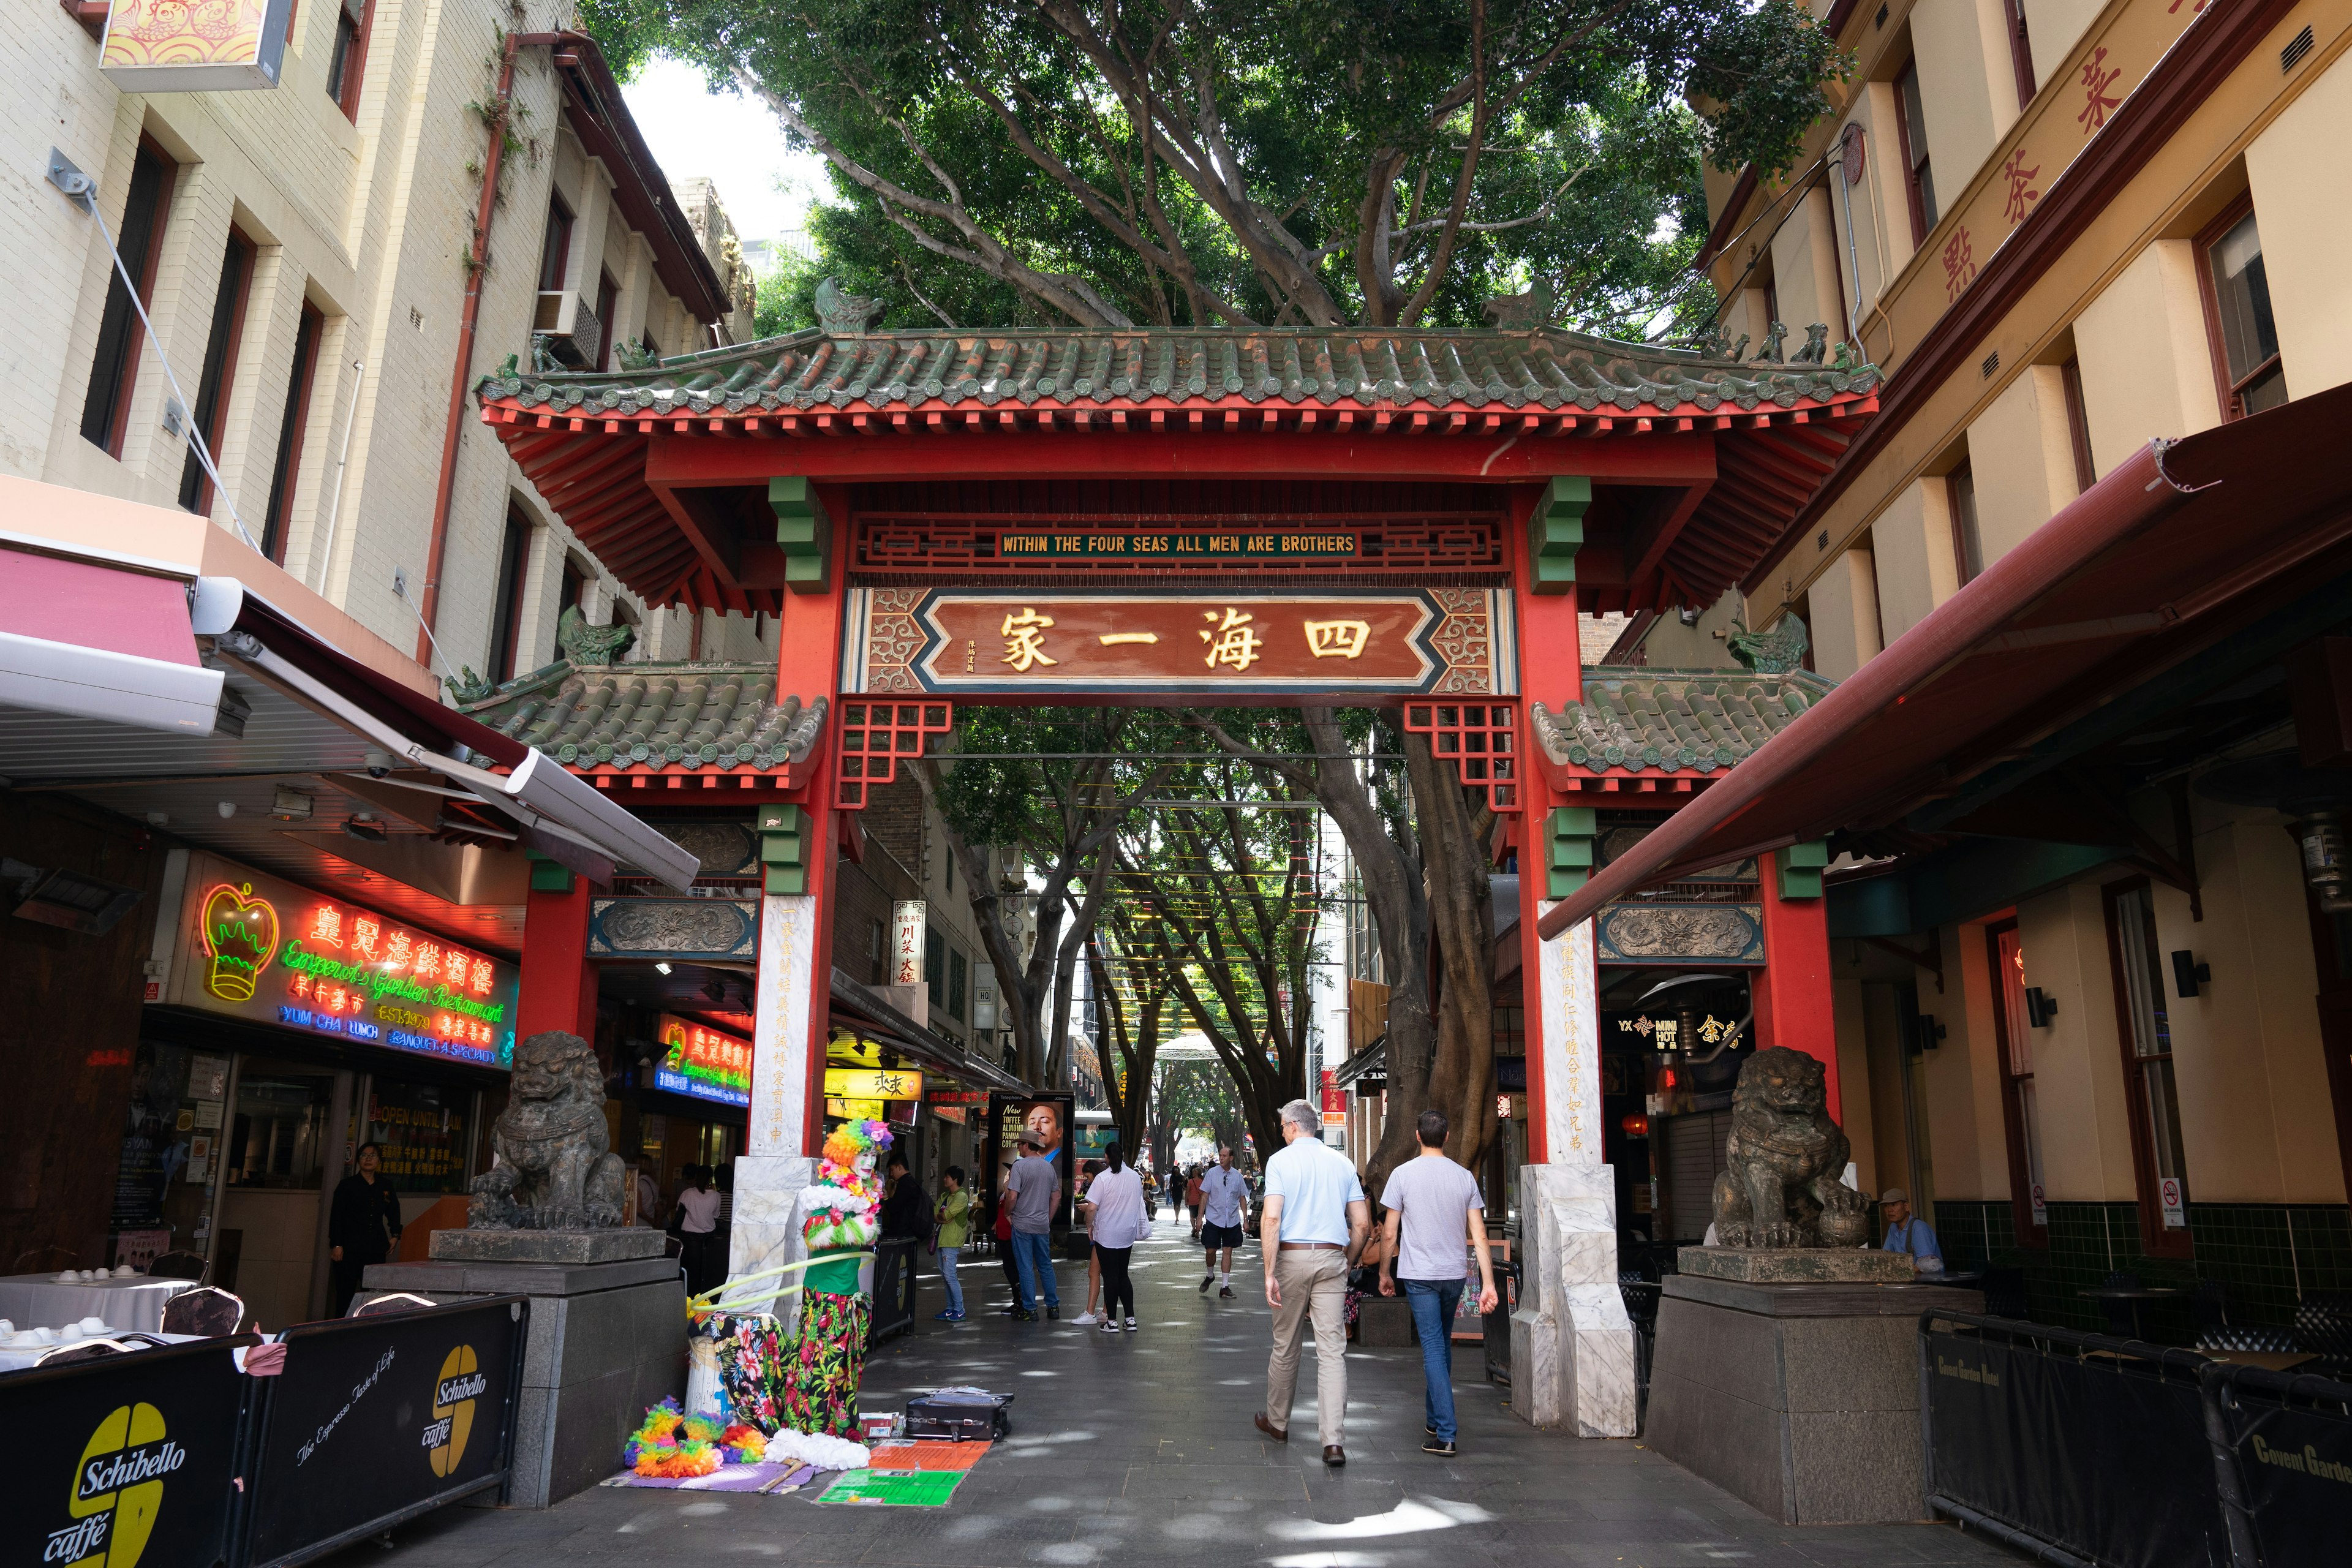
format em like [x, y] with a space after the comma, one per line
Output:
[875, 736]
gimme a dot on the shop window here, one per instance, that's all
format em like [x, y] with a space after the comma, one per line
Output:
[959, 976]
[2013, 1037]
[506, 626]
[555, 249]
[219, 370]
[874, 952]
[348, 63]
[2145, 1031]
[2078, 424]
[421, 1129]
[288, 468]
[106, 408]
[2238, 315]
[1911, 135]
[277, 1140]
[1967, 539]
[2021, 49]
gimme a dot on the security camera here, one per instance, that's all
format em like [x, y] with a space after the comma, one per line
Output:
[379, 764]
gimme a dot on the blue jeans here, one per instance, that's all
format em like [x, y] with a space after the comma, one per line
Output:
[1433, 1302]
[1035, 1256]
[948, 1277]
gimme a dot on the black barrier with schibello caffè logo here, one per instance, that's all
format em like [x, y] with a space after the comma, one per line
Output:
[383, 1417]
[129, 1462]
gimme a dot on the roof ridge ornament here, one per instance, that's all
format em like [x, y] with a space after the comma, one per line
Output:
[588, 647]
[1521, 313]
[841, 313]
[1776, 652]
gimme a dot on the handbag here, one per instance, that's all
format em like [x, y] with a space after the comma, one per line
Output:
[1142, 1230]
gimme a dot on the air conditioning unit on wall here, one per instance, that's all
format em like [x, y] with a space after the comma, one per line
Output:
[566, 324]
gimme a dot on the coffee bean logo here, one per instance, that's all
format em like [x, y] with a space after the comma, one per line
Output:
[117, 1491]
[453, 1391]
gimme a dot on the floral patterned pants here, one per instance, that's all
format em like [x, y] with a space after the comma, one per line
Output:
[821, 1383]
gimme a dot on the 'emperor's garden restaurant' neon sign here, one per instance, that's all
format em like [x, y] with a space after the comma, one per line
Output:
[288, 956]
[703, 1062]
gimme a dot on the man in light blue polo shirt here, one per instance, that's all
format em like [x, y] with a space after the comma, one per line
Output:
[1314, 1225]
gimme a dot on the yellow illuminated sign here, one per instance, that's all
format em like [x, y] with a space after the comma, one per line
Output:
[872, 1083]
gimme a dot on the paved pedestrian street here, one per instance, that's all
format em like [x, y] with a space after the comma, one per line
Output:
[1137, 1451]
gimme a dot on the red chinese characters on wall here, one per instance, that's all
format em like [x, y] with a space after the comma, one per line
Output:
[1959, 264]
[2098, 102]
[2022, 192]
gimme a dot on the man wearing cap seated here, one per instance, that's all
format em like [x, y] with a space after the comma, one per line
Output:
[1907, 1233]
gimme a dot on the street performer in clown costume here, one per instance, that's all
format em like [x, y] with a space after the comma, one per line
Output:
[821, 1387]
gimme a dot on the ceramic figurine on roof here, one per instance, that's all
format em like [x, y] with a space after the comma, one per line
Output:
[1519, 312]
[840, 312]
[1775, 652]
[587, 647]
[839, 1224]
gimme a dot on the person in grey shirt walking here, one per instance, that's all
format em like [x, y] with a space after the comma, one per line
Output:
[1433, 1208]
[1034, 1188]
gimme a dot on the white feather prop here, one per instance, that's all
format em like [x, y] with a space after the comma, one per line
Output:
[816, 1448]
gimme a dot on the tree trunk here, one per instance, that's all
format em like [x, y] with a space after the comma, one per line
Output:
[1462, 1072]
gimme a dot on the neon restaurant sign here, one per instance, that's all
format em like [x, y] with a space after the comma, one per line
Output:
[703, 1062]
[261, 948]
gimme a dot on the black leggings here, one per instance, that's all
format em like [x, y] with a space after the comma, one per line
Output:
[1116, 1284]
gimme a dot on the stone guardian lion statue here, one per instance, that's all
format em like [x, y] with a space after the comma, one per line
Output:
[1780, 1188]
[555, 1168]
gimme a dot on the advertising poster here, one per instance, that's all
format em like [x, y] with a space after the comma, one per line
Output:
[376, 1417]
[1049, 1116]
[253, 947]
[131, 1460]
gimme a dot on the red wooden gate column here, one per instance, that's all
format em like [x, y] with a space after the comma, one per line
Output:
[1791, 991]
[559, 983]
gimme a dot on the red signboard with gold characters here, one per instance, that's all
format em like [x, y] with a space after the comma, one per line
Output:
[1241, 644]
[266, 950]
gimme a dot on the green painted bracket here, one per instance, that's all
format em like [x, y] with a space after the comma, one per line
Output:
[1568, 850]
[1556, 532]
[1800, 867]
[804, 533]
[547, 876]
[784, 849]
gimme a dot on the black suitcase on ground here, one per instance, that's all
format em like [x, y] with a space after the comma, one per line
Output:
[959, 1422]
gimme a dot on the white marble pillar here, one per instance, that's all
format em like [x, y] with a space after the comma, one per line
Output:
[1571, 1343]
[786, 1028]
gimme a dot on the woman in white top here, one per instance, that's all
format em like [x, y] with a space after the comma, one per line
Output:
[696, 1217]
[1114, 1211]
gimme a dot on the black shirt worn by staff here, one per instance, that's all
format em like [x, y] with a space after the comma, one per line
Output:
[364, 1221]
[904, 1212]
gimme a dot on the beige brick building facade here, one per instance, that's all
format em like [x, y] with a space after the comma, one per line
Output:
[2197, 278]
[352, 232]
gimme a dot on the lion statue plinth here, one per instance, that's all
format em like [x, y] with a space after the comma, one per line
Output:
[555, 1168]
[1780, 1187]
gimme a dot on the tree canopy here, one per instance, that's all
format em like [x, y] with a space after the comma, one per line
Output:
[1208, 163]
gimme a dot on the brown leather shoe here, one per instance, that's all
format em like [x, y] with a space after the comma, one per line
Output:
[1334, 1454]
[1279, 1434]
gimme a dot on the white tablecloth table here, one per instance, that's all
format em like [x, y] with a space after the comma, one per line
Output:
[38, 1301]
[22, 1358]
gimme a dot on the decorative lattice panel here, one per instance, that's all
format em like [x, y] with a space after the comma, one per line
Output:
[1481, 738]
[874, 737]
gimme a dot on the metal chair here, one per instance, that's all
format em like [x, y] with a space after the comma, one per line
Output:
[178, 1265]
[2322, 1325]
[2244, 1337]
[207, 1310]
[2004, 1294]
[398, 1301]
[2209, 1302]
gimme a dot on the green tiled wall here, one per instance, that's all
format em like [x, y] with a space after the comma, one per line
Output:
[2268, 1255]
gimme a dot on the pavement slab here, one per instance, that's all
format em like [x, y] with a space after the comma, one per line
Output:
[1137, 1451]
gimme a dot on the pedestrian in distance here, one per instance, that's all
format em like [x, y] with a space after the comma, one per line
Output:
[1315, 1222]
[1000, 1227]
[1032, 1185]
[1193, 1199]
[693, 1219]
[1116, 1221]
[952, 1216]
[1433, 1208]
[1225, 1213]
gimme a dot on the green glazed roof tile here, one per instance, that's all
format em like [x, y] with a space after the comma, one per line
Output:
[654, 716]
[1673, 721]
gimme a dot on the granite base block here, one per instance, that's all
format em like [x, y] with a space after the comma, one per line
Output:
[620, 1244]
[605, 1340]
[1798, 1264]
[1802, 1400]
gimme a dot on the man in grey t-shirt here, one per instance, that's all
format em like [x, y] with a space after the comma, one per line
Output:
[1433, 1211]
[1032, 1187]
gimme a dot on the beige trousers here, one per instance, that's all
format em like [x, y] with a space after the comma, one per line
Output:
[1311, 1280]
